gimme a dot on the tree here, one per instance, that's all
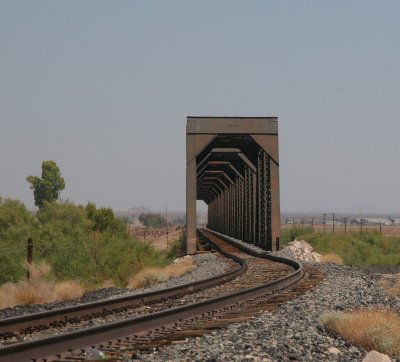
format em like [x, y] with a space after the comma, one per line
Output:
[48, 187]
[153, 220]
[104, 220]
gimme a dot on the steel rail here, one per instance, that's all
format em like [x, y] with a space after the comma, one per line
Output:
[52, 346]
[100, 307]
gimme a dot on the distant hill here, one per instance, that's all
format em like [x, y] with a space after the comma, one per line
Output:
[138, 210]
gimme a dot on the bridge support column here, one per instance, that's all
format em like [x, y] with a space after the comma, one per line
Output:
[194, 144]
[191, 207]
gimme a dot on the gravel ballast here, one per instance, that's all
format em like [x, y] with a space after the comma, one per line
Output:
[293, 332]
[207, 265]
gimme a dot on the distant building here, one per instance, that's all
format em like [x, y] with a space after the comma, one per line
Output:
[372, 221]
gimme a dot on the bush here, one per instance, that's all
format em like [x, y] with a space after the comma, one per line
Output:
[74, 245]
[154, 275]
[118, 259]
[391, 284]
[358, 249]
[289, 235]
[76, 249]
[38, 289]
[16, 226]
[177, 248]
[370, 328]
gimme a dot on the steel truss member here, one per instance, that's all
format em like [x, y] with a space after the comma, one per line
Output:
[233, 165]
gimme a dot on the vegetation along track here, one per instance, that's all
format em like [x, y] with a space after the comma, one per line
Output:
[127, 330]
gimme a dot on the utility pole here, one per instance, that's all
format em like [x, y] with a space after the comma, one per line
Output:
[166, 220]
[333, 222]
[146, 226]
[345, 225]
[30, 257]
[324, 222]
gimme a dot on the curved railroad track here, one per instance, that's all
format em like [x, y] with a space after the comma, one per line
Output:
[127, 325]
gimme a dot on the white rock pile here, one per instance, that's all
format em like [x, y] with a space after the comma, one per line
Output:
[183, 258]
[303, 251]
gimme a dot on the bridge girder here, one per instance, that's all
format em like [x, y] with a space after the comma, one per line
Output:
[233, 165]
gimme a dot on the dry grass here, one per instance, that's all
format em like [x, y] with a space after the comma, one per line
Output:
[332, 258]
[107, 284]
[146, 277]
[377, 329]
[161, 242]
[150, 276]
[38, 289]
[68, 290]
[391, 285]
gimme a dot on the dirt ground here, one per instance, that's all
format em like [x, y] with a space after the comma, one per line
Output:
[161, 239]
[163, 242]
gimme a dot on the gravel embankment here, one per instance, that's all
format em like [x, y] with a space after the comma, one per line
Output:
[293, 332]
[207, 265]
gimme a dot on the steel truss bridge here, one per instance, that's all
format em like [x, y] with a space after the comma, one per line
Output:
[233, 166]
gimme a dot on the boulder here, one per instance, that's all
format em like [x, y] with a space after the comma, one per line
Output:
[375, 356]
[333, 350]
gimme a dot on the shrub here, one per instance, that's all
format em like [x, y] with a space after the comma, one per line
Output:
[176, 248]
[391, 285]
[68, 240]
[358, 249]
[69, 289]
[377, 329]
[332, 258]
[38, 289]
[147, 277]
[289, 235]
[16, 225]
[150, 276]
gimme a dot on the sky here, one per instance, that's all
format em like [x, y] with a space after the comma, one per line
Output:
[104, 88]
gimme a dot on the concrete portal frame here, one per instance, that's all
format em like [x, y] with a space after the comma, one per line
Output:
[246, 148]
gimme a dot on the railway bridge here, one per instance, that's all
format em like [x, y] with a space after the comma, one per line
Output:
[232, 164]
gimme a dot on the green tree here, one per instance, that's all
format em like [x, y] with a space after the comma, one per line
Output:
[153, 220]
[48, 187]
[104, 220]
[65, 238]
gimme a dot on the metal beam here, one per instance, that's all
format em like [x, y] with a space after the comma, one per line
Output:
[233, 166]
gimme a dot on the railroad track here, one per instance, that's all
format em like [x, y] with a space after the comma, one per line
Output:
[152, 319]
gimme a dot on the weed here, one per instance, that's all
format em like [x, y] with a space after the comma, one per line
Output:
[67, 290]
[176, 248]
[358, 249]
[377, 329]
[150, 276]
[38, 289]
[391, 285]
[332, 258]
[147, 277]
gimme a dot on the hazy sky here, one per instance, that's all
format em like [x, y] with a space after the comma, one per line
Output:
[104, 88]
